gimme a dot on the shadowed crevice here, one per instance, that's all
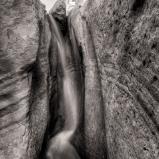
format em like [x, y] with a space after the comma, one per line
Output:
[138, 6]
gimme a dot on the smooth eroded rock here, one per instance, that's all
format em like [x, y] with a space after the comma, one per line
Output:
[24, 70]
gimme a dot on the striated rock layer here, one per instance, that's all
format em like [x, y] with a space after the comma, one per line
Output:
[24, 70]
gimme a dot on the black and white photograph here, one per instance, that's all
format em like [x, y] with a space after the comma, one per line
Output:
[79, 79]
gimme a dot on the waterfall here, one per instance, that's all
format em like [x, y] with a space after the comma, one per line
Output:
[60, 145]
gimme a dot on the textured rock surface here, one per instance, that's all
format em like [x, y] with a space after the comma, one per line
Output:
[24, 69]
[95, 146]
[58, 11]
[125, 35]
[119, 44]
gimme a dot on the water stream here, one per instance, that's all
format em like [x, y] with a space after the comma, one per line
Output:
[60, 145]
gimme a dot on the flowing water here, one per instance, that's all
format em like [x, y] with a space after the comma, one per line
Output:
[60, 145]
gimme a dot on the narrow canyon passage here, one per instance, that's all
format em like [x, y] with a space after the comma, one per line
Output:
[69, 61]
[80, 104]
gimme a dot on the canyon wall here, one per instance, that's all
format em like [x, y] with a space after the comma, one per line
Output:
[125, 42]
[24, 82]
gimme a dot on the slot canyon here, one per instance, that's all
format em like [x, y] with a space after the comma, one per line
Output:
[79, 79]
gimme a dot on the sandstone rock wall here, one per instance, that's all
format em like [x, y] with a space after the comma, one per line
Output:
[94, 130]
[24, 71]
[125, 36]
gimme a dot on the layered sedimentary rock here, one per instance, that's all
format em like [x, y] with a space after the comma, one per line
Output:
[24, 70]
[125, 37]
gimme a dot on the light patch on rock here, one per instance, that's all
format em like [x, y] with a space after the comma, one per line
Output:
[48, 4]
[70, 4]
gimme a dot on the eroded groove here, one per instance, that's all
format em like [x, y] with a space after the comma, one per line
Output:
[13, 107]
[13, 118]
[94, 132]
